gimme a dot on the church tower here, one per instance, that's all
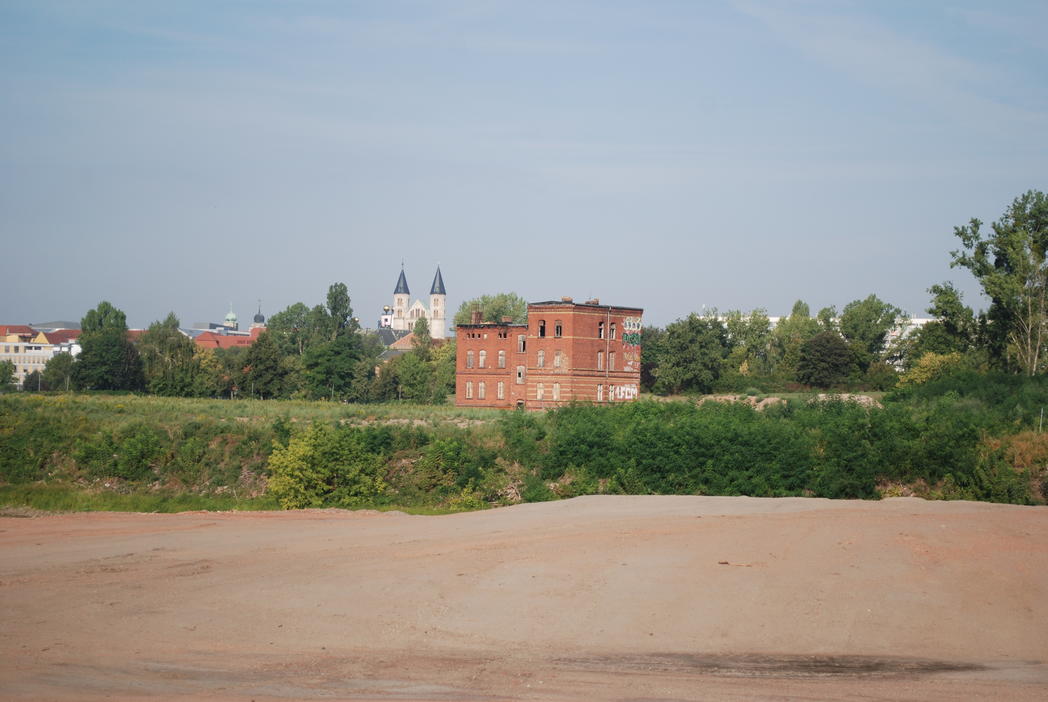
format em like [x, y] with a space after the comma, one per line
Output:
[438, 326]
[401, 302]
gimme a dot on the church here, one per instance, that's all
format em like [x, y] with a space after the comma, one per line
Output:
[403, 314]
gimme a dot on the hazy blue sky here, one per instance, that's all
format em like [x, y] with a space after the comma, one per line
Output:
[669, 155]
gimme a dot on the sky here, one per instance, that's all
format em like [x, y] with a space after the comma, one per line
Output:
[678, 156]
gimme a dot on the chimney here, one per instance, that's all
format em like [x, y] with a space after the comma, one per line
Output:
[594, 301]
[507, 320]
[567, 299]
[474, 317]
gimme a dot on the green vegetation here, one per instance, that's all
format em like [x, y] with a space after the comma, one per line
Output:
[957, 435]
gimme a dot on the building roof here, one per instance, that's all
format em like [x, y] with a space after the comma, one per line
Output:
[402, 285]
[570, 303]
[389, 336]
[438, 284]
[20, 329]
[211, 340]
[62, 336]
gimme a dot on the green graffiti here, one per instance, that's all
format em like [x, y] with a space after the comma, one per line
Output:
[631, 339]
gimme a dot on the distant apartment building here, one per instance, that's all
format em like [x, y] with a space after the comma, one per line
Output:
[30, 350]
[567, 352]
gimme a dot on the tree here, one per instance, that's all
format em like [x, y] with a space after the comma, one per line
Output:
[421, 341]
[330, 368]
[33, 382]
[1010, 266]
[263, 372]
[749, 337]
[493, 308]
[788, 337]
[58, 373]
[825, 359]
[168, 358]
[290, 328]
[865, 325]
[108, 360]
[694, 349]
[7, 376]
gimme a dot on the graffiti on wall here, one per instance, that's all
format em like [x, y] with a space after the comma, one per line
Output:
[631, 328]
[624, 392]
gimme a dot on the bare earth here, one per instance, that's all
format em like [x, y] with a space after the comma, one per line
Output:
[612, 598]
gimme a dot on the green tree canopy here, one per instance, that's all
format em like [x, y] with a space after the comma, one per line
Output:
[264, 374]
[694, 349]
[865, 325]
[58, 373]
[107, 360]
[7, 376]
[493, 308]
[168, 359]
[825, 360]
[1010, 265]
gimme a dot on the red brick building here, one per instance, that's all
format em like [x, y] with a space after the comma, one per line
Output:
[567, 352]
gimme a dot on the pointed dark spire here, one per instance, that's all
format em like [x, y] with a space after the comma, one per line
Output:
[438, 284]
[402, 284]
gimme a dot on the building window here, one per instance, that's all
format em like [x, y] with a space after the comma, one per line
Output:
[556, 391]
[540, 391]
[520, 375]
[469, 359]
[556, 359]
[611, 360]
[521, 343]
[542, 328]
[600, 393]
[542, 359]
[600, 360]
[600, 330]
[502, 390]
[502, 359]
[469, 389]
[613, 330]
[481, 391]
[558, 329]
[483, 358]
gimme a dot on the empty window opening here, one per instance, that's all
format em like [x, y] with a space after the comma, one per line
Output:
[542, 328]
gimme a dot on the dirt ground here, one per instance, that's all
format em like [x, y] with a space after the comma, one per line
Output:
[606, 598]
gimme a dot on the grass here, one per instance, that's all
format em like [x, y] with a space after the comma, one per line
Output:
[51, 497]
[62, 497]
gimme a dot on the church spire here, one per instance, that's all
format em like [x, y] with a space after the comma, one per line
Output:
[438, 284]
[402, 284]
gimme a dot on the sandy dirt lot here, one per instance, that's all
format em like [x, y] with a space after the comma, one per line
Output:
[609, 598]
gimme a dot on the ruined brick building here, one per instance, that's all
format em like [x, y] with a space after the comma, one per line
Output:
[567, 352]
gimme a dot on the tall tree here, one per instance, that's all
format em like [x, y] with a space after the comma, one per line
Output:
[58, 373]
[168, 357]
[865, 324]
[788, 337]
[7, 376]
[493, 308]
[264, 374]
[825, 360]
[107, 360]
[694, 349]
[1010, 266]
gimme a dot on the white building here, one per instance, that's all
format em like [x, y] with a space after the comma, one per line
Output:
[404, 313]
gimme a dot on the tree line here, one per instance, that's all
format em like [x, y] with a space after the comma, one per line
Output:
[305, 352]
[739, 351]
